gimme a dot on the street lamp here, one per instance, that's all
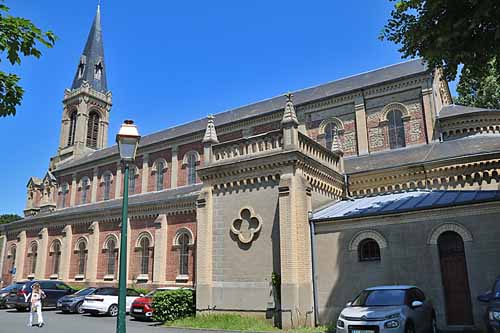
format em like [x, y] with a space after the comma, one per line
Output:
[127, 139]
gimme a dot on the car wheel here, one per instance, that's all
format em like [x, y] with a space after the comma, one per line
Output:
[113, 310]
[409, 328]
[78, 308]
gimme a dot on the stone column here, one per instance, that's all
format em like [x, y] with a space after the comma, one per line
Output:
[66, 251]
[361, 128]
[95, 184]
[63, 138]
[92, 253]
[119, 180]
[204, 244]
[160, 250]
[428, 105]
[174, 167]
[73, 191]
[41, 259]
[145, 173]
[20, 255]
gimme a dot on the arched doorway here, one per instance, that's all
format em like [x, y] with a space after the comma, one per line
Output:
[455, 279]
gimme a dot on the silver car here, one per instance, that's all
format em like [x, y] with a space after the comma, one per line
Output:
[388, 309]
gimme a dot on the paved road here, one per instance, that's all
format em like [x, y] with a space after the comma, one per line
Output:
[56, 322]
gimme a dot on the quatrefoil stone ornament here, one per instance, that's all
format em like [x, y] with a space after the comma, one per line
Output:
[246, 226]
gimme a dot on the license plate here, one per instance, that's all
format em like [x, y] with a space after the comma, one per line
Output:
[362, 331]
[137, 310]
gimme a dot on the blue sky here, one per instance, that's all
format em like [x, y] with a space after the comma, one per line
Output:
[169, 62]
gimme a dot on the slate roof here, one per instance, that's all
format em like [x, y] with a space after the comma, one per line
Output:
[453, 110]
[341, 86]
[401, 202]
[94, 53]
[436, 151]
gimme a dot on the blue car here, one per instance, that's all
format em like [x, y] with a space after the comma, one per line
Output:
[492, 297]
[73, 303]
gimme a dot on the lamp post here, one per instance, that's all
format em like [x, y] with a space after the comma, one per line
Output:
[127, 139]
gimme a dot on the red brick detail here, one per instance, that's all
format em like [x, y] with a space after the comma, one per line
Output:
[138, 228]
[230, 136]
[266, 127]
[153, 157]
[67, 179]
[49, 267]
[106, 229]
[182, 176]
[100, 188]
[79, 177]
[75, 259]
[8, 263]
[175, 223]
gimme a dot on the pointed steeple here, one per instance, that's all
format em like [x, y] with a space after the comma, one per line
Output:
[91, 66]
[289, 116]
[210, 134]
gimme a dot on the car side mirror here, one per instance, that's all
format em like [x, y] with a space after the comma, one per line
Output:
[485, 298]
[348, 304]
[416, 304]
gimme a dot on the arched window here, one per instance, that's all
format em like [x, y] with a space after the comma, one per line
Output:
[85, 190]
[396, 129]
[183, 240]
[64, 194]
[107, 185]
[144, 249]
[56, 257]
[368, 250]
[331, 132]
[160, 168]
[13, 259]
[72, 128]
[82, 257]
[111, 256]
[131, 180]
[34, 254]
[191, 168]
[92, 129]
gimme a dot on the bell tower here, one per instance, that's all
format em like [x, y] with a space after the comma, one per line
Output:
[87, 104]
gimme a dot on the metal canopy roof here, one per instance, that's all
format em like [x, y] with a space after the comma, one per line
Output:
[401, 202]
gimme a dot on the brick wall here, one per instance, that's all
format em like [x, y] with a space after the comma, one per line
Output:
[8, 261]
[78, 196]
[182, 177]
[175, 223]
[100, 189]
[67, 179]
[266, 128]
[74, 262]
[230, 136]
[106, 229]
[167, 156]
[138, 227]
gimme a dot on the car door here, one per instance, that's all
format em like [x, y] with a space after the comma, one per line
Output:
[61, 290]
[131, 296]
[417, 313]
[49, 288]
[428, 308]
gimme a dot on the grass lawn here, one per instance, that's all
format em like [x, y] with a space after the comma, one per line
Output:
[237, 323]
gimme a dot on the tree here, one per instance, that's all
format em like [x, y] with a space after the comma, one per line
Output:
[447, 33]
[7, 218]
[483, 92]
[18, 36]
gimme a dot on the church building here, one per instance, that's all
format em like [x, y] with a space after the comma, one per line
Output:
[286, 208]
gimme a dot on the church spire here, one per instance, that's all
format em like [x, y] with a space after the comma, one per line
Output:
[91, 66]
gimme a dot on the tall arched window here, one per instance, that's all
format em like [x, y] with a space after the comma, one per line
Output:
[72, 128]
[396, 129]
[85, 190]
[56, 257]
[64, 194]
[107, 185]
[160, 168]
[191, 168]
[34, 255]
[183, 254]
[111, 257]
[82, 257]
[331, 132]
[368, 250]
[131, 181]
[144, 249]
[92, 129]
[12, 258]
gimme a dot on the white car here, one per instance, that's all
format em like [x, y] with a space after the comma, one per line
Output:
[105, 301]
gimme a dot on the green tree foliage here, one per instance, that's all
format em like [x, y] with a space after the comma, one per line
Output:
[173, 304]
[447, 33]
[18, 37]
[7, 218]
[483, 92]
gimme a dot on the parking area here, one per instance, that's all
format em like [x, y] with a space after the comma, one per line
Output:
[57, 322]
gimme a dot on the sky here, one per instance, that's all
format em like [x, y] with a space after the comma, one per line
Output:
[170, 62]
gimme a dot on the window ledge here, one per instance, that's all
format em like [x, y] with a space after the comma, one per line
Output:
[109, 277]
[143, 278]
[54, 277]
[31, 276]
[79, 277]
[182, 278]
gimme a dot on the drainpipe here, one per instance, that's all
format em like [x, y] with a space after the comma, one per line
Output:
[313, 268]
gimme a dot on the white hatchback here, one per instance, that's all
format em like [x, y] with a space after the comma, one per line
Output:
[105, 301]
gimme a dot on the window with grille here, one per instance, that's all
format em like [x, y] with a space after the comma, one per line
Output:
[330, 133]
[72, 129]
[56, 257]
[82, 257]
[191, 166]
[131, 181]
[160, 167]
[368, 250]
[396, 129]
[107, 185]
[92, 129]
[183, 254]
[34, 254]
[85, 190]
[110, 269]
[144, 255]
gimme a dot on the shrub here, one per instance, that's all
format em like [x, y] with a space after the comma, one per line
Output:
[143, 291]
[173, 304]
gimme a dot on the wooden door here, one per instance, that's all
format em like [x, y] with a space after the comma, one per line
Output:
[455, 279]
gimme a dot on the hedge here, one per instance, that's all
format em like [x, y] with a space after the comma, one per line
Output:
[173, 304]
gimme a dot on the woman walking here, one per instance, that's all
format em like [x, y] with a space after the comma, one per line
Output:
[35, 300]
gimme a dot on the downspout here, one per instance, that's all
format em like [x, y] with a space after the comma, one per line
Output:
[313, 268]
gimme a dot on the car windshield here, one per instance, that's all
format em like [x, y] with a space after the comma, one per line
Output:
[85, 292]
[151, 293]
[107, 292]
[380, 298]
